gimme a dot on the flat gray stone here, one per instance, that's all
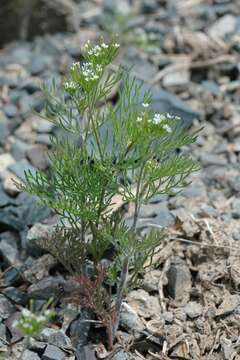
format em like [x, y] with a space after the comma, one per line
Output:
[29, 355]
[20, 167]
[53, 353]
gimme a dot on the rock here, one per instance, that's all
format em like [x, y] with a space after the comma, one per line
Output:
[11, 110]
[9, 219]
[168, 317]
[43, 139]
[16, 334]
[4, 198]
[197, 189]
[208, 159]
[41, 125]
[46, 288]
[79, 328]
[36, 236]
[53, 353]
[179, 280]
[25, 213]
[130, 320]
[149, 6]
[121, 7]
[31, 84]
[37, 346]
[236, 234]
[55, 337]
[234, 183]
[120, 355]
[6, 160]
[9, 249]
[29, 355]
[211, 86]
[18, 149]
[12, 276]
[4, 130]
[236, 208]
[158, 214]
[193, 309]
[36, 154]
[151, 280]
[178, 78]
[86, 353]
[227, 348]
[31, 210]
[144, 304]
[39, 268]
[9, 185]
[229, 304]
[6, 308]
[3, 337]
[16, 295]
[19, 167]
[37, 64]
[224, 26]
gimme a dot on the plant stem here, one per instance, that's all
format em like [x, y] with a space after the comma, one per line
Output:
[137, 201]
[120, 294]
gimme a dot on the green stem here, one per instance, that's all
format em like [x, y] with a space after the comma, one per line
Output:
[138, 197]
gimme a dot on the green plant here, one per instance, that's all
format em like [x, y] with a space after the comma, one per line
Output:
[31, 323]
[111, 144]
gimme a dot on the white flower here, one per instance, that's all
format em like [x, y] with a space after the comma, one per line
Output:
[116, 45]
[87, 44]
[145, 105]
[139, 118]
[104, 46]
[158, 118]
[95, 51]
[89, 72]
[75, 66]
[172, 117]
[70, 86]
[167, 128]
[41, 318]
[26, 313]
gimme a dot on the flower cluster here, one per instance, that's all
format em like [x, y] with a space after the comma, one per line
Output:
[98, 49]
[30, 324]
[88, 70]
[157, 118]
[70, 86]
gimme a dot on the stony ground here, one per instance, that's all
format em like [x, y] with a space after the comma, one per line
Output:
[188, 304]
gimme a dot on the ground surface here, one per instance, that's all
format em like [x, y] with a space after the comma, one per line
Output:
[188, 305]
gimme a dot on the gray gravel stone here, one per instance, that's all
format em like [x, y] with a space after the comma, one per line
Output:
[46, 288]
[120, 355]
[236, 208]
[20, 166]
[55, 337]
[38, 233]
[16, 295]
[235, 183]
[223, 26]
[11, 110]
[130, 320]
[9, 250]
[29, 355]
[179, 280]
[193, 309]
[6, 308]
[53, 353]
